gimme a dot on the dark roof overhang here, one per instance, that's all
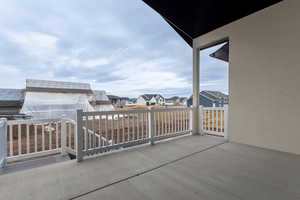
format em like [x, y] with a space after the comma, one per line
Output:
[194, 18]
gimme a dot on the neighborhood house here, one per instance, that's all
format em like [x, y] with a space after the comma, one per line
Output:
[151, 99]
[210, 99]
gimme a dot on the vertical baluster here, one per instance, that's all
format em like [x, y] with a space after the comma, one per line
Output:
[165, 122]
[69, 134]
[43, 137]
[170, 122]
[211, 120]
[204, 119]
[223, 121]
[142, 119]
[94, 131]
[217, 120]
[56, 135]
[112, 129]
[86, 134]
[133, 127]
[11, 142]
[175, 119]
[207, 120]
[50, 135]
[27, 139]
[35, 138]
[100, 131]
[118, 128]
[123, 128]
[106, 129]
[19, 140]
[175, 122]
[128, 126]
[186, 120]
[183, 123]
[138, 126]
[180, 120]
[158, 123]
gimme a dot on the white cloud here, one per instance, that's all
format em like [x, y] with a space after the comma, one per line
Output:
[35, 43]
[95, 62]
[137, 75]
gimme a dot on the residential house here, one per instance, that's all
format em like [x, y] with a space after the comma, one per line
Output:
[210, 99]
[11, 101]
[172, 100]
[115, 100]
[100, 101]
[176, 100]
[151, 99]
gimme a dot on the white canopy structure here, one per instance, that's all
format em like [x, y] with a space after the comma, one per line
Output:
[56, 99]
[45, 105]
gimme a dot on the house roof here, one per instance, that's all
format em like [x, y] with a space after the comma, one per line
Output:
[11, 97]
[215, 94]
[110, 97]
[148, 97]
[175, 98]
[100, 95]
[222, 53]
[194, 18]
[57, 86]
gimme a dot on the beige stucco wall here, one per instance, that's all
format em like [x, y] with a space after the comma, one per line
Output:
[264, 77]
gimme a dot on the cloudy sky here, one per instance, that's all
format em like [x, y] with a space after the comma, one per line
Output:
[125, 49]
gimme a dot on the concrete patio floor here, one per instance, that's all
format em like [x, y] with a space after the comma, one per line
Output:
[192, 167]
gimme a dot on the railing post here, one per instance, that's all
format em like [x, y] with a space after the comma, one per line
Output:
[196, 91]
[225, 121]
[79, 135]
[151, 124]
[63, 137]
[3, 141]
[201, 120]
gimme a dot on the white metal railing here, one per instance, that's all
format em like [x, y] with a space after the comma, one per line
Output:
[98, 132]
[3, 128]
[110, 130]
[34, 138]
[214, 120]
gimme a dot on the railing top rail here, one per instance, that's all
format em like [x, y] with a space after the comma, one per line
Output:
[213, 108]
[115, 112]
[170, 109]
[37, 121]
[97, 113]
